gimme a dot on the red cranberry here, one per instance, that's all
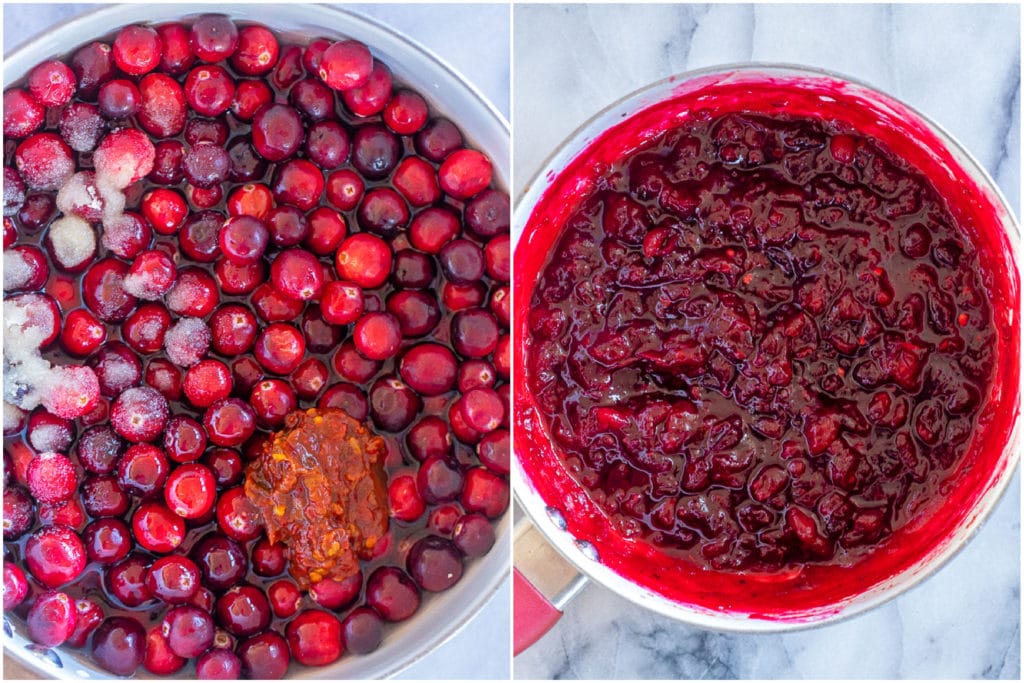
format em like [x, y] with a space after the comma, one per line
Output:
[406, 503]
[55, 555]
[309, 378]
[462, 262]
[37, 211]
[221, 561]
[372, 97]
[299, 183]
[429, 438]
[378, 336]
[383, 212]
[44, 162]
[352, 365]
[189, 630]
[264, 656]
[375, 151]
[167, 161]
[142, 470]
[156, 528]
[139, 414]
[213, 38]
[482, 409]
[93, 65]
[219, 665]
[485, 492]
[345, 65]
[209, 90]
[67, 513]
[362, 631]
[501, 305]
[173, 579]
[430, 369]
[438, 139]
[493, 451]
[238, 279]
[243, 610]
[159, 659]
[392, 594]
[347, 397]
[178, 56]
[320, 336]
[268, 559]
[118, 99]
[226, 466]
[246, 164]
[81, 126]
[243, 239]
[297, 273]
[327, 229]
[119, 645]
[137, 50]
[417, 312]
[439, 480]
[432, 228]
[443, 518]
[364, 259]
[194, 294]
[126, 580]
[250, 97]
[284, 597]
[82, 332]
[47, 432]
[99, 449]
[327, 144]
[207, 382]
[417, 181]
[314, 637]
[191, 491]
[313, 99]
[434, 563]
[23, 114]
[474, 333]
[277, 132]
[406, 112]
[107, 541]
[273, 306]
[234, 329]
[272, 400]
[288, 225]
[165, 210]
[473, 535]
[52, 83]
[51, 478]
[237, 517]
[344, 189]
[89, 616]
[250, 200]
[341, 302]
[145, 329]
[257, 51]
[103, 497]
[280, 348]
[229, 422]
[117, 368]
[19, 516]
[413, 269]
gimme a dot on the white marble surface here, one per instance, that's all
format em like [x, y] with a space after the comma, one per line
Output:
[474, 39]
[961, 66]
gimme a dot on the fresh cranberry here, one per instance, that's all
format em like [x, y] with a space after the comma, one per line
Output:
[257, 51]
[221, 561]
[345, 65]
[417, 181]
[264, 656]
[81, 125]
[272, 400]
[206, 165]
[344, 189]
[277, 132]
[243, 611]
[15, 586]
[237, 517]
[102, 496]
[23, 114]
[119, 645]
[213, 37]
[299, 183]
[443, 518]
[327, 144]
[371, 98]
[177, 57]
[474, 332]
[234, 329]
[37, 211]
[229, 422]
[243, 239]
[392, 594]
[93, 65]
[246, 164]
[67, 513]
[118, 99]
[297, 273]
[485, 492]
[137, 50]
[82, 332]
[19, 516]
[309, 378]
[107, 541]
[288, 225]
[191, 491]
[159, 659]
[435, 563]
[473, 535]
[89, 616]
[142, 470]
[438, 139]
[225, 465]
[430, 369]
[428, 438]
[165, 210]
[383, 212]
[219, 665]
[352, 365]
[156, 528]
[173, 579]
[250, 97]
[362, 631]
[314, 637]
[439, 479]
[482, 409]
[280, 348]
[268, 559]
[238, 279]
[406, 503]
[364, 259]
[44, 161]
[375, 151]
[347, 397]
[284, 597]
[246, 373]
[250, 200]
[126, 580]
[417, 312]
[145, 328]
[189, 630]
[432, 228]
[378, 336]
[274, 306]
[48, 432]
[55, 555]
[51, 478]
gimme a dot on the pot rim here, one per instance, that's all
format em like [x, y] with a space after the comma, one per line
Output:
[581, 554]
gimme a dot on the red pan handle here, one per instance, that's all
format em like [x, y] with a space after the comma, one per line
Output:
[532, 614]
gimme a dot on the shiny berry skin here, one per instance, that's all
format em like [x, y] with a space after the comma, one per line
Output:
[377, 336]
[191, 491]
[392, 594]
[213, 38]
[284, 597]
[52, 83]
[485, 492]
[119, 645]
[280, 348]
[257, 51]
[156, 528]
[51, 619]
[15, 586]
[55, 555]
[277, 132]
[23, 114]
[142, 470]
[416, 180]
[264, 656]
[243, 611]
[173, 579]
[430, 369]
[297, 273]
[314, 637]
[189, 630]
[137, 50]
[364, 259]
[207, 382]
[341, 302]
[209, 90]
[222, 562]
[165, 210]
[118, 99]
[345, 65]
[89, 616]
[237, 517]
[432, 228]
[82, 333]
[344, 189]
[107, 541]
[375, 151]
[159, 660]
[370, 98]
[272, 400]
[434, 563]
[219, 665]
[406, 503]
[362, 631]
[177, 57]
[243, 239]
[465, 173]
[234, 329]
[229, 422]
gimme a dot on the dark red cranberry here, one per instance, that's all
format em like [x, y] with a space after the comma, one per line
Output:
[474, 332]
[229, 422]
[145, 329]
[320, 336]
[81, 126]
[272, 400]
[107, 541]
[118, 99]
[19, 516]
[429, 369]
[288, 68]
[435, 563]
[234, 329]
[377, 336]
[352, 365]
[99, 449]
[310, 378]
[178, 56]
[417, 312]
[488, 213]
[280, 348]
[498, 258]
[313, 99]
[347, 397]
[494, 451]
[432, 228]
[362, 631]
[284, 597]
[246, 163]
[102, 496]
[243, 610]
[288, 225]
[277, 132]
[156, 528]
[213, 37]
[269, 559]
[103, 290]
[371, 98]
[226, 466]
[439, 480]
[393, 405]
[188, 629]
[93, 65]
[327, 144]
[142, 470]
[37, 211]
[119, 645]
[375, 151]
[221, 561]
[344, 189]
[299, 183]
[314, 637]
[462, 262]
[384, 212]
[264, 656]
[126, 581]
[473, 535]
[438, 139]
[173, 579]
[167, 164]
[429, 438]
[392, 594]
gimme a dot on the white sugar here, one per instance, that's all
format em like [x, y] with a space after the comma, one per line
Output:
[122, 157]
[187, 341]
[80, 196]
[119, 234]
[18, 271]
[73, 241]
[28, 377]
[14, 417]
[183, 293]
[49, 437]
[119, 373]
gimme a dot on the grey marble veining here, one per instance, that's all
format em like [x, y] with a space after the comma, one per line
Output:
[474, 39]
[957, 64]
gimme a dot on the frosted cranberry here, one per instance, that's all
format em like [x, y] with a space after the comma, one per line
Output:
[177, 57]
[82, 332]
[462, 262]
[117, 368]
[194, 293]
[347, 397]
[299, 183]
[392, 594]
[165, 377]
[221, 561]
[159, 659]
[81, 126]
[277, 132]
[213, 38]
[55, 555]
[474, 332]
[93, 65]
[190, 491]
[280, 348]
[173, 579]
[225, 465]
[430, 369]
[209, 90]
[14, 199]
[48, 432]
[384, 212]
[206, 164]
[439, 479]
[352, 365]
[364, 259]
[327, 144]
[432, 228]
[26, 268]
[429, 438]
[345, 65]
[162, 110]
[238, 279]
[104, 497]
[264, 656]
[371, 98]
[250, 97]
[246, 164]
[220, 665]
[145, 328]
[362, 631]
[15, 586]
[405, 500]
[234, 329]
[118, 99]
[417, 181]
[375, 151]
[243, 610]
[107, 541]
[119, 645]
[142, 470]
[189, 630]
[51, 478]
[23, 114]
[314, 637]
[243, 239]
[229, 422]
[257, 51]
[126, 580]
[18, 513]
[44, 161]
[165, 210]
[139, 414]
[272, 400]
[137, 50]
[344, 189]
[417, 312]
[434, 563]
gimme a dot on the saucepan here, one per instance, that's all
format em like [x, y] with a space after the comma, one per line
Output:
[561, 543]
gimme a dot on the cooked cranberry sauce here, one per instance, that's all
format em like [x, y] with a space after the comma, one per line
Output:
[206, 231]
[761, 341]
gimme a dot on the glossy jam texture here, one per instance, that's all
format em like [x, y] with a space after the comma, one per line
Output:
[761, 341]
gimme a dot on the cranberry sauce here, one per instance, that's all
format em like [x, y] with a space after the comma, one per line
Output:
[763, 343]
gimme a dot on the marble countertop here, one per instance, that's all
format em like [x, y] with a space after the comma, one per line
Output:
[474, 39]
[958, 64]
